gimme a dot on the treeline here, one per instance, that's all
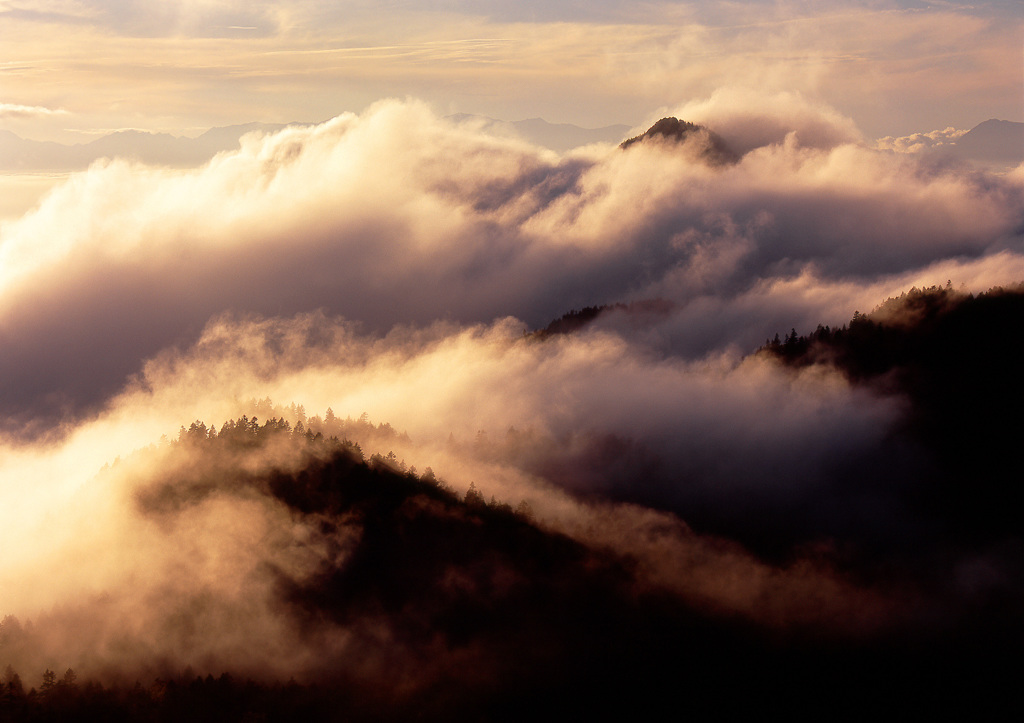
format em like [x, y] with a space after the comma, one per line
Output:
[406, 535]
[292, 420]
[332, 463]
[187, 697]
[576, 319]
[329, 438]
[478, 612]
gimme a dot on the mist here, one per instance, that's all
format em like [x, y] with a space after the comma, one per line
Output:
[398, 217]
[397, 265]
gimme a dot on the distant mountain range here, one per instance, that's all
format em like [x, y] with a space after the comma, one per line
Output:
[556, 136]
[992, 142]
[22, 155]
[19, 154]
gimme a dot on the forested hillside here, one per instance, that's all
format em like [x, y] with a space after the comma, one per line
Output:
[410, 600]
[955, 359]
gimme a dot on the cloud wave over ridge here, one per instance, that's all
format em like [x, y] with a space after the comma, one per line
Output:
[394, 262]
[396, 216]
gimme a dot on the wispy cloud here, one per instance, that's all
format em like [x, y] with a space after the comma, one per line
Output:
[315, 60]
[12, 110]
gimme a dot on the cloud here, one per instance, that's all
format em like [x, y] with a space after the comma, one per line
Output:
[11, 110]
[198, 580]
[890, 68]
[748, 120]
[395, 216]
[195, 18]
[721, 440]
[920, 142]
[740, 447]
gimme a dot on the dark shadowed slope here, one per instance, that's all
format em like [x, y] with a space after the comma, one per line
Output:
[455, 607]
[956, 358]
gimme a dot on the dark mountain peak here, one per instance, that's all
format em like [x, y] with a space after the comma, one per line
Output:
[675, 131]
[669, 128]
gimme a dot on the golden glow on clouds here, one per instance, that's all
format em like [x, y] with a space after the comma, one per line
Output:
[205, 283]
[395, 189]
[503, 379]
[313, 63]
[388, 262]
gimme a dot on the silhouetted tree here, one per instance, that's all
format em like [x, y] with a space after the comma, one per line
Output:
[473, 496]
[13, 683]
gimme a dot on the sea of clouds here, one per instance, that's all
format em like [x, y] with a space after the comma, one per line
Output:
[392, 263]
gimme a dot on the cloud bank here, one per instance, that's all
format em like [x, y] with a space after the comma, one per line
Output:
[396, 216]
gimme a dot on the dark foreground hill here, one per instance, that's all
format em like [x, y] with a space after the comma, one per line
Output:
[408, 601]
[463, 609]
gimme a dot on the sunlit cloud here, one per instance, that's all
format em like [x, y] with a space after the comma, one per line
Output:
[12, 110]
[291, 221]
[920, 142]
[317, 60]
[549, 389]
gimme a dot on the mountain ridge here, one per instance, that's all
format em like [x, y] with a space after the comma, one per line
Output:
[991, 141]
[558, 137]
[24, 155]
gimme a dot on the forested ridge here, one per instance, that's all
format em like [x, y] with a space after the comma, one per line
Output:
[955, 358]
[460, 606]
[501, 618]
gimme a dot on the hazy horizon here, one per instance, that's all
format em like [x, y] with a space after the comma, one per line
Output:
[76, 69]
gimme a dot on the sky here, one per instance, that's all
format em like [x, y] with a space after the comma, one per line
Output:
[381, 257]
[72, 69]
